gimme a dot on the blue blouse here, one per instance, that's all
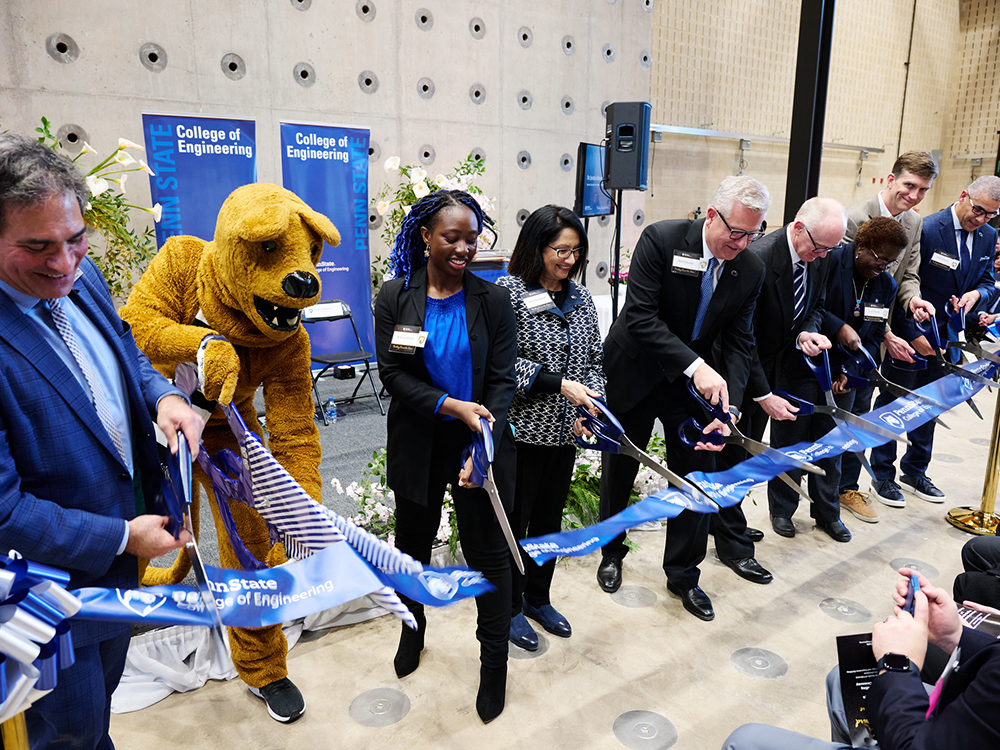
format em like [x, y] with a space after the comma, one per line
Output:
[447, 354]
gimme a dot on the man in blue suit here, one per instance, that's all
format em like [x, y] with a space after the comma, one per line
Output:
[956, 272]
[78, 456]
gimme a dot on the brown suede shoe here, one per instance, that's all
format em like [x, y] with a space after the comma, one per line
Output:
[854, 501]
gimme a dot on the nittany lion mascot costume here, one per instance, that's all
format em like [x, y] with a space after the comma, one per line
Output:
[234, 306]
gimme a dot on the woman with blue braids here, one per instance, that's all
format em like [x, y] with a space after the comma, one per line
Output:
[446, 343]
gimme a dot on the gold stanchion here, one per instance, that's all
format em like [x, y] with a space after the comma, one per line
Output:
[15, 733]
[982, 520]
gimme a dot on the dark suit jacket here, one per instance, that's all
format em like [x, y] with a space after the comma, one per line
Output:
[65, 494]
[651, 340]
[965, 716]
[775, 307]
[937, 285]
[493, 341]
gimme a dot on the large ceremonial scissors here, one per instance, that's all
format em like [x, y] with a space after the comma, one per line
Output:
[930, 330]
[864, 360]
[822, 373]
[957, 319]
[481, 451]
[610, 437]
[691, 433]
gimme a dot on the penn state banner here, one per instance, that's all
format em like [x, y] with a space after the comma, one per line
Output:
[327, 166]
[198, 162]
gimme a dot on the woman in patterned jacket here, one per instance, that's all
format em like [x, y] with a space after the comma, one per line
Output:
[559, 366]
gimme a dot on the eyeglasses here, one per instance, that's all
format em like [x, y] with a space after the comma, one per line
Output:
[565, 252]
[739, 234]
[980, 211]
[819, 249]
[886, 264]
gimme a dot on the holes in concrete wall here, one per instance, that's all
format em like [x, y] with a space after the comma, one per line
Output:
[305, 74]
[301, 4]
[233, 66]
[426, 155]
[478, 154]
[524, 99]
[604, 109]
[608, 53]
[477, 28]
[638, 218]
[368, 81]
[374, 152]
[477, 92]
[566, 105]
[62, 48]
[425, 88]
[525, 37]
[647, 5]
[374, 220]
[568, 45]
[424, 19]
[523, 159]
[645, 60]
[603, 221]
[153, 57]
[72, 138]
[522, 216]
[365, 10]
[566, 162]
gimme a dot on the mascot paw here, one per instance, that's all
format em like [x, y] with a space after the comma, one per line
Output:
[221, 369]
[276, 556]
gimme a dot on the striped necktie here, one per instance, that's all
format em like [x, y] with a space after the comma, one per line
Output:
[799, 287]
[705, 297]
[65, 329]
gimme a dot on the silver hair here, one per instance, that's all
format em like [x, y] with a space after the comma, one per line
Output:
[816, 211]
[746, 190]
[987, 186]
[30, 172]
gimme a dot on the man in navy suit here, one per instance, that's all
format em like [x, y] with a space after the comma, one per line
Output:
[956, 272]
[78, 456]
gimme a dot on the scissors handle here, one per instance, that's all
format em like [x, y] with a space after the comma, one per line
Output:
[691, 433]
[821, 371]
[804, 407]
[481, 450]
[956, 318]
[713, 410]
[860, 357]
[856, 382]
[606, 430]
[930, 330]
[918, 363]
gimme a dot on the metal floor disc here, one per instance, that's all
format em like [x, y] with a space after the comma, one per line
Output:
[516, 652]
[759, 663]
[979, 441]
[845, 609]
[634, 597]
[379, 707]
[644, 730]
[929, 571]
[948, 458]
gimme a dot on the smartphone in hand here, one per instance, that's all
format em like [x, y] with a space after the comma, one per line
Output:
[911, 588]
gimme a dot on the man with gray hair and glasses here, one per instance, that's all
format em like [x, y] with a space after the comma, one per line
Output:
[691, 286]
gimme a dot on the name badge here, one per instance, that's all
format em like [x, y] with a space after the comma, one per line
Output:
[407, 339]
[537, 302]
[943, 260]
[876, 313]
[688, 263]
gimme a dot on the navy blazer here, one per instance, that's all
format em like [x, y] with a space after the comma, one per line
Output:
[937, 285]
[65, 493]
[493, 342]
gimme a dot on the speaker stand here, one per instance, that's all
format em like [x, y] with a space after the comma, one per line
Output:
[616, 256]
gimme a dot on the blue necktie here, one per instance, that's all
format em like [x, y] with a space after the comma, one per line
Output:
[963, 249]
[705, 298]
[799, 287]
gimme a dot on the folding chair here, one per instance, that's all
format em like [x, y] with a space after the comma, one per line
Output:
[330, 310]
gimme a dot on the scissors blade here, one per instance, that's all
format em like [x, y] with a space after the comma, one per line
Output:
[963, 373]
[975, 409]
[797, 486]
[491, 489]
[758, 449]
[842, 415]
[629, 449]
[978, 351]
[201, 579]
[901, 392]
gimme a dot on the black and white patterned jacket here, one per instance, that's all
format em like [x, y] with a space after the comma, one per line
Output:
[565, 341]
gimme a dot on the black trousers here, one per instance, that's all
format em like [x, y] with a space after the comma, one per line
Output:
[543, 476]
[687, 534]
[479, 532]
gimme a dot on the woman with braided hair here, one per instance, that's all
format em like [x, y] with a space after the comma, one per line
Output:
[441, 386]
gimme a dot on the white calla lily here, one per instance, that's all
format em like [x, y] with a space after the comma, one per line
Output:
[124, 158]
[382, 207]
[87, 149]
[144, 167]
[96, 185]
[420, 189]
[392, 164]
[418, 174]
[156, 210]
[126, 143]
[406, 210]
[440, 180]
[121, 182]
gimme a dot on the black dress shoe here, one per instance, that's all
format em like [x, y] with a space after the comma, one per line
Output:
[695, 601]
[747, 567]
[754, 535]
[609, 574]
[836, 529]
[783, 526]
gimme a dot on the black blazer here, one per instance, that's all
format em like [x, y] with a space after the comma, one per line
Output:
[493, 341]
[651, 340]
[772, 320]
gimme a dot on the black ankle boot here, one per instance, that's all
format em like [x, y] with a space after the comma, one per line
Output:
[411, 643]
[492, 691]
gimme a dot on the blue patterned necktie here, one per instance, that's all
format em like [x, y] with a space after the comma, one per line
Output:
[97, 396]
[964, 248]
[799, 287]
[705, 298]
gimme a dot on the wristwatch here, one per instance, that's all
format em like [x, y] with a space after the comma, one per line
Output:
[896, 663]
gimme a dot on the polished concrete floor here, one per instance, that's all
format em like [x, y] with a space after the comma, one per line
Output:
[653, 658]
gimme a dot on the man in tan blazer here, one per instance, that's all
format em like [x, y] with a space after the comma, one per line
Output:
[912, 175]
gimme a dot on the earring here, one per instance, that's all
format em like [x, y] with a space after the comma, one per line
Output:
[427, 251]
